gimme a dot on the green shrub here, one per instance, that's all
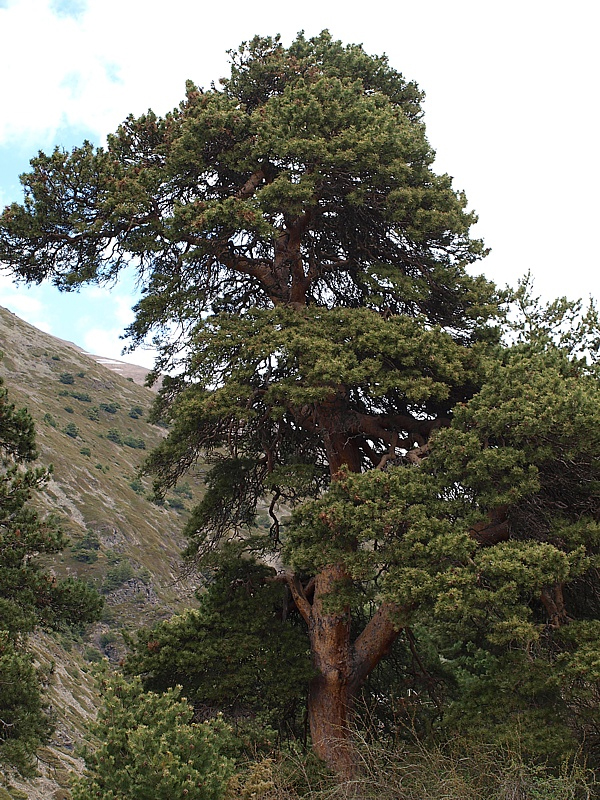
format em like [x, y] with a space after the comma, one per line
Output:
[83, 397]
[135, 443]
[93, 413]
[183, 489]
[71, 430]
[66, 377]
[85, 451]
[117, 575]
[86, 549]
[110, 408]
[55, 358]
[92, 654]
[64, 393]
[176, 503]
[49, 420]
[107, 639]
[137, 487]
[136, 412]
[150, 748]
[69, 409]
[113, 435]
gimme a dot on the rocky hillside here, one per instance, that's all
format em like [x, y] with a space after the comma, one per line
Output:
[91, 418]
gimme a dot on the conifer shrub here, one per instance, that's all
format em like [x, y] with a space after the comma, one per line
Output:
[116, 575]
[135, 442]
[83, 397]
[149, 747]
[86, 549]
[71, 430]
[113, 435]
[110, 408]
[66, 377]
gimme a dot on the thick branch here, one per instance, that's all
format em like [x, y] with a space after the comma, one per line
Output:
[554, 603]
[251, 185]
[299, 595]
[374, 643]
[493, 529]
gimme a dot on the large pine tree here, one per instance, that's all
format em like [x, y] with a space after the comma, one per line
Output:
[304, 269]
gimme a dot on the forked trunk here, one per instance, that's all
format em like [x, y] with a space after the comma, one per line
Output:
[341, 665]
[329, 701]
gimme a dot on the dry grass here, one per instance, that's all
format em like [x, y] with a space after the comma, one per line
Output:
[458, 770]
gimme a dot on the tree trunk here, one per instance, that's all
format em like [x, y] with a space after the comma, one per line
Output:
[329, 699]
[341, 666]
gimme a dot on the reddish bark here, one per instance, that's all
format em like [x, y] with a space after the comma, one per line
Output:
[341, 666]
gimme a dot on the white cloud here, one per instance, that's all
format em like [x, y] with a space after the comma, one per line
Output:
[107, 342]
[24, 303]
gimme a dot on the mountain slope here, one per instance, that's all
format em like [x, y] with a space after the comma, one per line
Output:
[91, 424]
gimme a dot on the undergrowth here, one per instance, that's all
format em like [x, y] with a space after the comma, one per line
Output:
[457, 770]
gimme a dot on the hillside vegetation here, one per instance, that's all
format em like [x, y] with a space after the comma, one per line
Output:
[91, 425]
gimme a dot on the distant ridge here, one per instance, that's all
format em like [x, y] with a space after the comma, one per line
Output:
[136, 373]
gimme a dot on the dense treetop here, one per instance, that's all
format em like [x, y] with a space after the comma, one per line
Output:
[305, 179]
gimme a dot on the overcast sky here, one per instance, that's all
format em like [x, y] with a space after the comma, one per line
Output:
[511, 109]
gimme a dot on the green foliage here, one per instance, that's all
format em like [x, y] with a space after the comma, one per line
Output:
[83, 397]
[85, 451]
[71, 429]
[24, 725]
[113, 435]
[110, 408]
[136, 442]
[93, 413]
[303, 274]
[149, 747]
[176, 503]
[66, 377]
[86, 549]
[116, 575]
[49, 420]
[235, 653]
[135, 412]
[490, 545]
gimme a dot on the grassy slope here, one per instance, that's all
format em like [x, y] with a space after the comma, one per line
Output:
[102, 503]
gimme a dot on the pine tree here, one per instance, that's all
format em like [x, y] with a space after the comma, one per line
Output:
[236, 654]
[148, 746]
[304, 269]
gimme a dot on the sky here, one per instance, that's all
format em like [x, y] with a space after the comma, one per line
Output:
[511, 109]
